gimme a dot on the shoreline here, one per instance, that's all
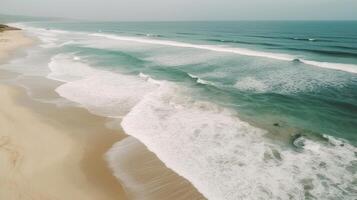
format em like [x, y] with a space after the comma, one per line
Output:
[48, 152]
[64, 151]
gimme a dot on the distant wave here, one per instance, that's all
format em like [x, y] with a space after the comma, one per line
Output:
[343, 47]
[242, 42]
[240, 51]
[337, 66]
[183, 33]
[324, 52]
[339, 37]
[234, 50]
[305, 39]
[293, 38]
[49, 38]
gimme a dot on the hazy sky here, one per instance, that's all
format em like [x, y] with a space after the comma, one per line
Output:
[184, 9]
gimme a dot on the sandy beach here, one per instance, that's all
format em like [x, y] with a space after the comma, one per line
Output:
[10, 41]
[47, 152]
[51, 152]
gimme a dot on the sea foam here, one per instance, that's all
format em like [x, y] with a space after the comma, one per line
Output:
[208, 144]
[102, 92]
[251, 84]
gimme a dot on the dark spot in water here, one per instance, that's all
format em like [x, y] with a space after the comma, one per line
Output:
[273, 155]
[197, 132]
[298, 141]
[297, 135]
[276, 124]
[322, 165]
[241, 164]
[296, 60]
[342, 145]
[276, 154]
[308, 186]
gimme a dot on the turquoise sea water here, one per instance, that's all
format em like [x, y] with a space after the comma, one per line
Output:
[237, 108]
[304, 96]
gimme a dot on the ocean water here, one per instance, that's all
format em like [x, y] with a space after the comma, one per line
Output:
[243, 110]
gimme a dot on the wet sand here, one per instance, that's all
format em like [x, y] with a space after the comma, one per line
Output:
[144, 176]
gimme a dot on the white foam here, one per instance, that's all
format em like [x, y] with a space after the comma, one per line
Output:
[337, 66]
[102, 92]
[226, 158]
[222, 156]
[66, 43]
[65, 69]
[204, 82]
[251, 84]
[207, 144]
[49, 38]
[201, 81]
[193, 76]
[149, 79]
[76, 58]
[307, 39]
